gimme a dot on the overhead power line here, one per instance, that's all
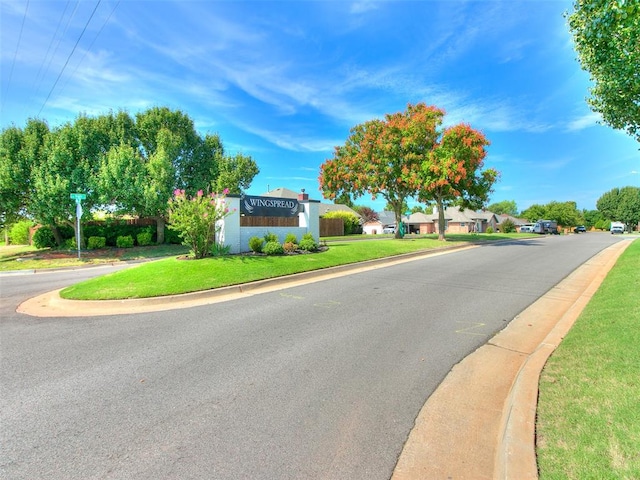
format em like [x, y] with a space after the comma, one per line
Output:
[15, 55]
[69, 57]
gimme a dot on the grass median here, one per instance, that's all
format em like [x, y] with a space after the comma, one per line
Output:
[173, 276]
[588, 422]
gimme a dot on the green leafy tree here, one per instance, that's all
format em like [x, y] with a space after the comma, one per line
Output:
[19, 151]
[535, 212]
[565, 213]
[235, 173]
[606, 34]
[621, 204]
[344, 199]
[592, 218]
[72, 162]
[506, 207]
[196, 220]
[391, 208]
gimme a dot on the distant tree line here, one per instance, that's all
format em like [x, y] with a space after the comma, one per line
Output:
[125, 165]
[618, 204]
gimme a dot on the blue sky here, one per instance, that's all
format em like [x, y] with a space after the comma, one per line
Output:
[284, 81]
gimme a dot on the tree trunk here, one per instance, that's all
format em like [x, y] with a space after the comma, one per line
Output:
[57, 236]
[441, 225]
[160, 223]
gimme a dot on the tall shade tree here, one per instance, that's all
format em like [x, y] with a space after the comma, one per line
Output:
[383, 158]
[621, 204]
[19, 151]
[71, 165]
[507, 207]
[235, 173]
[13, 175]
[452, 172]
[174, 158]
[607, 38]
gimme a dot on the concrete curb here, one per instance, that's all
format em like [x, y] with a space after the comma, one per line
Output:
[480, 422]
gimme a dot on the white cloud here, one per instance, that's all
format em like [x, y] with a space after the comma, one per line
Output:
[586, 121]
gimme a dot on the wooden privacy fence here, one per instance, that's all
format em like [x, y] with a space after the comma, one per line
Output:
[331, 227]
[248, 221]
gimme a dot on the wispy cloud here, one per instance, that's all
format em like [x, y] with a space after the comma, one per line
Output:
[586, 121]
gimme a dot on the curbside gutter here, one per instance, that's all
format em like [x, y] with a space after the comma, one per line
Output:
[480, 421]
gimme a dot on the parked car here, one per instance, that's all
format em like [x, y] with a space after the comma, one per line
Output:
[617, 227]
[389, 229]
[526, 228]
[580, 229]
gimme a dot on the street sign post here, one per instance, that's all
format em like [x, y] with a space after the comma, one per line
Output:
[78, 197]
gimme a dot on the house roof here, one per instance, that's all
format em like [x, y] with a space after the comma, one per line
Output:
[454, 214]
[516, 221]
[281, 193]
[336, 207]
[387, 217]
[323, 208]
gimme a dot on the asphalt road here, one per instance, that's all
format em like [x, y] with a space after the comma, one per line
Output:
[318, 381]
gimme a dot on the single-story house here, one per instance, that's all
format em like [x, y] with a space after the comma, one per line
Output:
[385, 219]
[456, 221]
[518, 222]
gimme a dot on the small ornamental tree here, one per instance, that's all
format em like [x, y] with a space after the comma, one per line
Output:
[196, 219]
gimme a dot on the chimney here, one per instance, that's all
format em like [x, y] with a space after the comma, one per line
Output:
[303, 196]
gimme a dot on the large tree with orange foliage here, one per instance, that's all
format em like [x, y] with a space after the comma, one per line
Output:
[383, 157]
[407, 155]
[452, 172]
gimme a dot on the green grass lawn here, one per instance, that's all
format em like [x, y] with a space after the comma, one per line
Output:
[24, 257]
[588, 424]
[173, 276]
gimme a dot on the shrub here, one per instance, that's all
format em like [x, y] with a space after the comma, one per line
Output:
[308, 244]
[144, 239]
[290, 247]
[270, 237]
[19, 232]
[124, 242]
[96, 242]
[256, 244]
[507, 226]
[43, 238]
[69, 244]
[273, 248]
[489, 230]
[220, 250]
[196, 219]
[291, 238]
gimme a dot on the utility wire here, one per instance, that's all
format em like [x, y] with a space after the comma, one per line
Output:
[90, 46]
[55, 35]
[55, 50]
[69, 57]
[24, 18]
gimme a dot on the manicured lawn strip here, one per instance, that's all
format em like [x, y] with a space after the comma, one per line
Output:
[173, 276]
[588, 422]
[33, 259]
